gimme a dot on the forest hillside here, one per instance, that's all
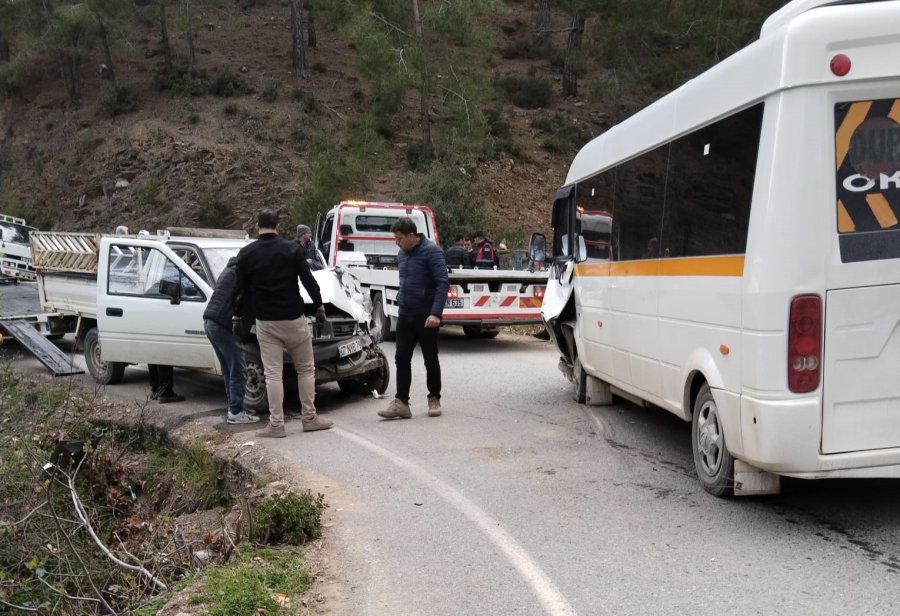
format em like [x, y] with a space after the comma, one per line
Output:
[156, 113]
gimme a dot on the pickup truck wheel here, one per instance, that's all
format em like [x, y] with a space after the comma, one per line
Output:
[380, 378]
[255, 397]
[377, 379]
[104, 372]
[714, 465]
[381, 320]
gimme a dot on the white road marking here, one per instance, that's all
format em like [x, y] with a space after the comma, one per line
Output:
[547, 593]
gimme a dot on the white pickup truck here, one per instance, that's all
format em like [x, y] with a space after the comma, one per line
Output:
[356, 235]
[140, 299]
[15, 253]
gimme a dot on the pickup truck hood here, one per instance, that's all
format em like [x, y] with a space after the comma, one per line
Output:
[341, 289]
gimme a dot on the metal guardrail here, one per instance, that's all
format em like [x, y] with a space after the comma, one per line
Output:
[65, 252]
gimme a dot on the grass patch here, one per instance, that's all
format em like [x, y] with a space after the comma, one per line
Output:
[258, 581]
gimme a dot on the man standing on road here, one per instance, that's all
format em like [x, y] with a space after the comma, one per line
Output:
[267, 272]
[423, 292]
[218, 327]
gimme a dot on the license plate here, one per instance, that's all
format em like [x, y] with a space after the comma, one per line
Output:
[453, 303]
[349, 348]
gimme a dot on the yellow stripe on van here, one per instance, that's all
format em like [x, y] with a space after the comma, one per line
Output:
[688, 266]
[895, 111]
[845, 223]
[882, 210]
[855, 116]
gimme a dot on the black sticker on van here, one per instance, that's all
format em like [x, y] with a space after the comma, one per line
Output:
[867, 151]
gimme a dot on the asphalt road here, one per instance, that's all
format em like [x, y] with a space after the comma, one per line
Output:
[520, 501]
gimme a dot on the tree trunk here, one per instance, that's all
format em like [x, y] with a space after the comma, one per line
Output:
[424, 114]
[298, 57]
[69, 67]
[4, 49]
[312, 40]
[570, 76]
[542, 21]
[189, 34]
[104, 39]
[164, 34]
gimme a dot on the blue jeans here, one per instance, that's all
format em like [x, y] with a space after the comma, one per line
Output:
[230, 352]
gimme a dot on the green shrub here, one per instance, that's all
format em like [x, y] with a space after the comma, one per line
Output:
[289, 519]
[213, 211]
[116, 99]
[307, 100]
[147, 192]
[177, 80]
[526, 91]
[270, 93]
[225, 84]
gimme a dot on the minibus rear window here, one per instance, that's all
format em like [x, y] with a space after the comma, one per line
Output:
[867, 151]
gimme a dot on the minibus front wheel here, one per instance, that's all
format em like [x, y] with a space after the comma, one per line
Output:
[715, 466]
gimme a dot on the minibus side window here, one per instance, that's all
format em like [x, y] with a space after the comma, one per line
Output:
[593, 215]
[638, 205]
[710, 187]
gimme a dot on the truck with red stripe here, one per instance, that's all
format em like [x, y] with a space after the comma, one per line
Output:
[356, 236]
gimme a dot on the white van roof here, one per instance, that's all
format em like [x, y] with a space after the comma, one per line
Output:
[792, 9]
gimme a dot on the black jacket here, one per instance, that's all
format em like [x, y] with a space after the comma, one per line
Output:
[457, 256]
[423, 280]
[267, 272]
[221, 305]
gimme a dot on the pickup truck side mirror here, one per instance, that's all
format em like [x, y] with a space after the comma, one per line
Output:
[171, 289]
[346, 229]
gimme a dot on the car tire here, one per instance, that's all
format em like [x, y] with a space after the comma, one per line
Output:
[104, 372]
[380, 320]
[255, 397]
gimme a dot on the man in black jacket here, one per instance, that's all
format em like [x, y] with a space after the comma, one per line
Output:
[267, 272]
[217, 324]
[423, 293]
[457, 255]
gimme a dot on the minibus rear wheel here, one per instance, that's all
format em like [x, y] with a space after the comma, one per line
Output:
[715, 466]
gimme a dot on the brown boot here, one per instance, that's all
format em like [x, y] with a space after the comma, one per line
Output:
[272, 432]
[316, 423]
[434, 406]
[397, 409]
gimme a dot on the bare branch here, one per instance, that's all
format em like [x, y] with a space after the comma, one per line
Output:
[384, 20]
[33, 610]
[335, 112]
[79, 509]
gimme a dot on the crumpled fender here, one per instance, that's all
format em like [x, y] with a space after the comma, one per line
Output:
[341, 289]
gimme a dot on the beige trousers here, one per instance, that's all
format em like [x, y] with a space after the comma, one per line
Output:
[275, 337]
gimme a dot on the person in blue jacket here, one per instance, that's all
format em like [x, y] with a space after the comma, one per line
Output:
[423, 292]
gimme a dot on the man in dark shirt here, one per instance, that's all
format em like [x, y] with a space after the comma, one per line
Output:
[267, 272]
[423, 292]
[457, 256]
[308, 248]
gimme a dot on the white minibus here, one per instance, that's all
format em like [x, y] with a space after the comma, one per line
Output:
[731, 254]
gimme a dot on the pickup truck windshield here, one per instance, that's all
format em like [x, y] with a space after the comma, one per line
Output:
[217, 259]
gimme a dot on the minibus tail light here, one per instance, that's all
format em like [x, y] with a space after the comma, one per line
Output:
[453, 292]
[805, 344]
[539, 292]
